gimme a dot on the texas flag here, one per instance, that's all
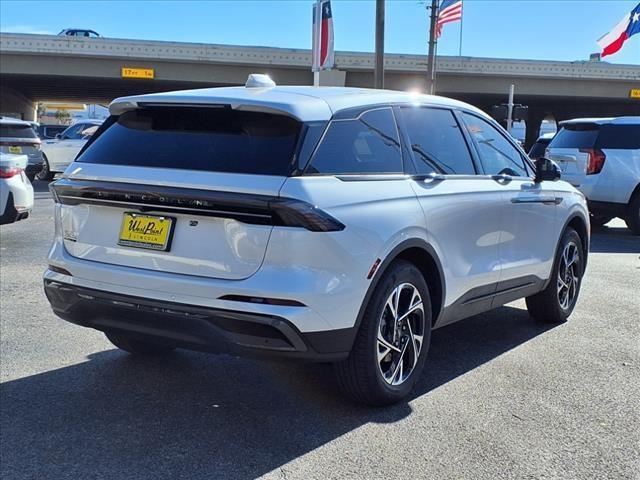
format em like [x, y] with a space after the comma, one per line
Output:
[323, 55]
[629, 25]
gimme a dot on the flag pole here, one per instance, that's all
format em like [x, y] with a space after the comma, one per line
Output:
[378, 72]
[315, 48]
[431, 60]
[461, 20]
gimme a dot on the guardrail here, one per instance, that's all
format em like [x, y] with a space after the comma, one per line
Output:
[12, 43]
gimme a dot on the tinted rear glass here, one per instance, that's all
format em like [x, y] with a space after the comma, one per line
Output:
[210, 139]
[624, 137]
[17, 131]
[581, 135]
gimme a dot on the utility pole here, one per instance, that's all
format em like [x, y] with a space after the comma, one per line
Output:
[378, 74]
[431, 61]
[510, 109]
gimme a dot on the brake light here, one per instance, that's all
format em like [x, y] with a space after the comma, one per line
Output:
[595, 161]
[9, 172]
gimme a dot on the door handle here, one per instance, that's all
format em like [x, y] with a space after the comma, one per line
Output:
[548, 200]
[429, 177]
[502, 178]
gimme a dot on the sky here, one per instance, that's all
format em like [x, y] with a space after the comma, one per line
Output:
[524, 29]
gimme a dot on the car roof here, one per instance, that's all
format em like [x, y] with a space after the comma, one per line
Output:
[13, 121]
[604, 121]
[304, 103]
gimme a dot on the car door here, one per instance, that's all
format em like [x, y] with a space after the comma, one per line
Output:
[463, 210]
[529, 231]
[66, 149]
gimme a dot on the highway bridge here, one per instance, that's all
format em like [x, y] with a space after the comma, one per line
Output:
[54, 68]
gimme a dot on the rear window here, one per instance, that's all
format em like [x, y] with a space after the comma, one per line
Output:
[622, 137]
[17, 131]
[580, 135]
[193, 138]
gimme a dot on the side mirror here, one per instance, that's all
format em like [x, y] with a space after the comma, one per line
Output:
[58, 136]
[546, 170]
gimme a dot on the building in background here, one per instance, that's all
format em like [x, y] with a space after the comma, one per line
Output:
[69, 113]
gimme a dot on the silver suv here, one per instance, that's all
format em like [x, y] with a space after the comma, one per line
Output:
[331, 224]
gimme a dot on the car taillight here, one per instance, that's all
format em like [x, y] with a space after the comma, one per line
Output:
[595, 161]
[9, 172]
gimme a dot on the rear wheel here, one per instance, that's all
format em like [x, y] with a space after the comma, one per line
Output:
[633, 215]
[391, 346]
[556, 302]
[45, 174]
[136, 346]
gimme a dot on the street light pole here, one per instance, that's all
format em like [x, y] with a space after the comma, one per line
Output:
[378, 74]
[431, 61]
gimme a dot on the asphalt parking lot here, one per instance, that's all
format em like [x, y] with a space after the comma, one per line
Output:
[503, 397]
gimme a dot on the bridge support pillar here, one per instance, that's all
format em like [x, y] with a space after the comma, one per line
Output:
[333, 78]
[14, 104]
[534, 120]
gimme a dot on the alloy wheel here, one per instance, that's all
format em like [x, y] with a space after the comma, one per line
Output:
[568, 275]
[400, 334]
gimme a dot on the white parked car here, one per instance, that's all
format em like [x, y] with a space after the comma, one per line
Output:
[16, 192]
[61, 151]
[601, 157]
[331, 224]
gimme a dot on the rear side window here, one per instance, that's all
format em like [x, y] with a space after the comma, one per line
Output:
[623, 137]
[579, 135]
[192, 138]
[436, 141]
[368, 144]
[17, 131]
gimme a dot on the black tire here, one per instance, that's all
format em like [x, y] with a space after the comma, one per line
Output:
[633, 214]
[360, 376]
[137, 346]
[546, 306]
[45, 174]
[598, 221]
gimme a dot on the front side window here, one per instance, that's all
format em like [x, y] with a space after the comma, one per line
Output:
[368, 144]
[437, 142]
[497, 154]
[73, 132]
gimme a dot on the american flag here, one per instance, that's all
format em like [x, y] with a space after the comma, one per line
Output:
[323, 57]
[449, 11]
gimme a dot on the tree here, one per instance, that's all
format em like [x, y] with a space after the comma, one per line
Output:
[63, 116]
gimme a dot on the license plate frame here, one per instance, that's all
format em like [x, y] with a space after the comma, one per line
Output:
[146, 241]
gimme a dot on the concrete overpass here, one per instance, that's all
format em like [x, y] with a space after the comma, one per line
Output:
[47, 68]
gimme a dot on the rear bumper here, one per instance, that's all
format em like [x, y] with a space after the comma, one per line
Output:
[607, 208]
[195, 327]
[11, 213]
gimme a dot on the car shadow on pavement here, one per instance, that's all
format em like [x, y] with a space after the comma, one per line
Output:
[615, 239]
[197, 416]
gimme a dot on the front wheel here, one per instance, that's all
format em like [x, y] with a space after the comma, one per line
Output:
[556, 302]
[391, 346]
